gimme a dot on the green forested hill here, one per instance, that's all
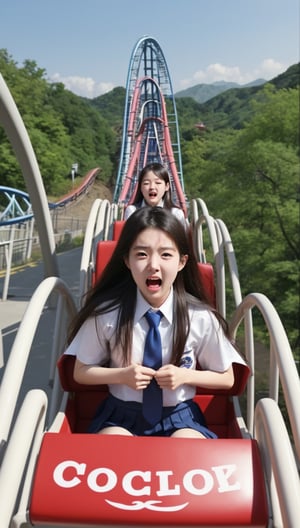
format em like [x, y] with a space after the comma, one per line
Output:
[245, 165]
[249, 177]
[111, 106]
[231, 109]
[288, 79]
[204, 92]
[63, 128]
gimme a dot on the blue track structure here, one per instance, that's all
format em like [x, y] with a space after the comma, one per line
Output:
[149, 111]
[15, 206]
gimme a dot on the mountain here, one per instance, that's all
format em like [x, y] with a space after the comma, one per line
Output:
[203, 92]
[111, 105]
[232, 107]
[288, 79]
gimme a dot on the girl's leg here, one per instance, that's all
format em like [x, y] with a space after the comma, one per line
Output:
[115, 430]
[187, 433]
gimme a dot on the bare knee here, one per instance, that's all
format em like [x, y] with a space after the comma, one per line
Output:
[115, 430]
[187, 433]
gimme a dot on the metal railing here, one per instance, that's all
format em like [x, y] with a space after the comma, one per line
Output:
[18, 242]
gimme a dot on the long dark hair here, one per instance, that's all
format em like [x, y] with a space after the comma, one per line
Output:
[117, 289]
[161, 172]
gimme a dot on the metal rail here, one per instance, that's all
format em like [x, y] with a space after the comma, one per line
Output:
[18, 357]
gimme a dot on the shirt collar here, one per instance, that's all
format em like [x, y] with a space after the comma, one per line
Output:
[160, 203]
[142, 306]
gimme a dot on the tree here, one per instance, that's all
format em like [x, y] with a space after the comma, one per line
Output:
[250, 179]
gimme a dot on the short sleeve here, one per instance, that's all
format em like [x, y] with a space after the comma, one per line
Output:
[213, 350]
[128, 211]
[176, 211]
[89, 345]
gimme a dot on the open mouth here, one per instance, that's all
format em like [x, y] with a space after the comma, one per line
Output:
[153, 282]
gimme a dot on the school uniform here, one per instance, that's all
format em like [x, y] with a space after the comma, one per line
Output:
[176, 211]
[206, 345]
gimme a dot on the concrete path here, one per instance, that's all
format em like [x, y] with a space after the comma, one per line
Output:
[21, 287]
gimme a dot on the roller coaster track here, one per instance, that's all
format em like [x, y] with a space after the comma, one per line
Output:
[50, 476]
[18, 209]
[150, 126]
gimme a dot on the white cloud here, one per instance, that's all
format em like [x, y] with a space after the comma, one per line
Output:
[83, 86]
[268, 69]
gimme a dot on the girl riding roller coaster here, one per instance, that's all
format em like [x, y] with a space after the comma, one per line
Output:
[152, 268]
[153, 189]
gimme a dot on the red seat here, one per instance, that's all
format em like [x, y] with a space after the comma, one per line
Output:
[84, 400]
[206, 272]
[117, 228]
[101, 480]
[113, 480]
[104, 251]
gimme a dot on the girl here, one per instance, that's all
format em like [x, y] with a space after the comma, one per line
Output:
[153, 268]
[154, 190]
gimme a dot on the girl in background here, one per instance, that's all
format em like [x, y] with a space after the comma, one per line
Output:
[154, 190]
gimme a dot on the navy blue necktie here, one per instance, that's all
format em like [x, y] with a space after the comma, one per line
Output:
[152, 395]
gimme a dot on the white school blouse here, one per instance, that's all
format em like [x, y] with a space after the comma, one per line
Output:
[95, 344]
[176, 211]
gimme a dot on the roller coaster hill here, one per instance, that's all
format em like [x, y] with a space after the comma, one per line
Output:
[52, 472]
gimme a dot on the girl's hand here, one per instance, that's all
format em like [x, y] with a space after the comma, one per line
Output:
[170, 377]
[137, 377]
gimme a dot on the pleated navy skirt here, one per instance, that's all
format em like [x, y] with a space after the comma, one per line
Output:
[128, 414]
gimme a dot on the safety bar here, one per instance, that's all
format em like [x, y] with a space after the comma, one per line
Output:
[25, 441]
[282, 363]
[279, 463]
[17, 361]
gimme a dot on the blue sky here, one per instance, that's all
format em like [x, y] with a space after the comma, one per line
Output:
[87, 44]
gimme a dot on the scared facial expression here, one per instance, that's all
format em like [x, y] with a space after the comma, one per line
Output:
[154, 262]
[153, 188]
